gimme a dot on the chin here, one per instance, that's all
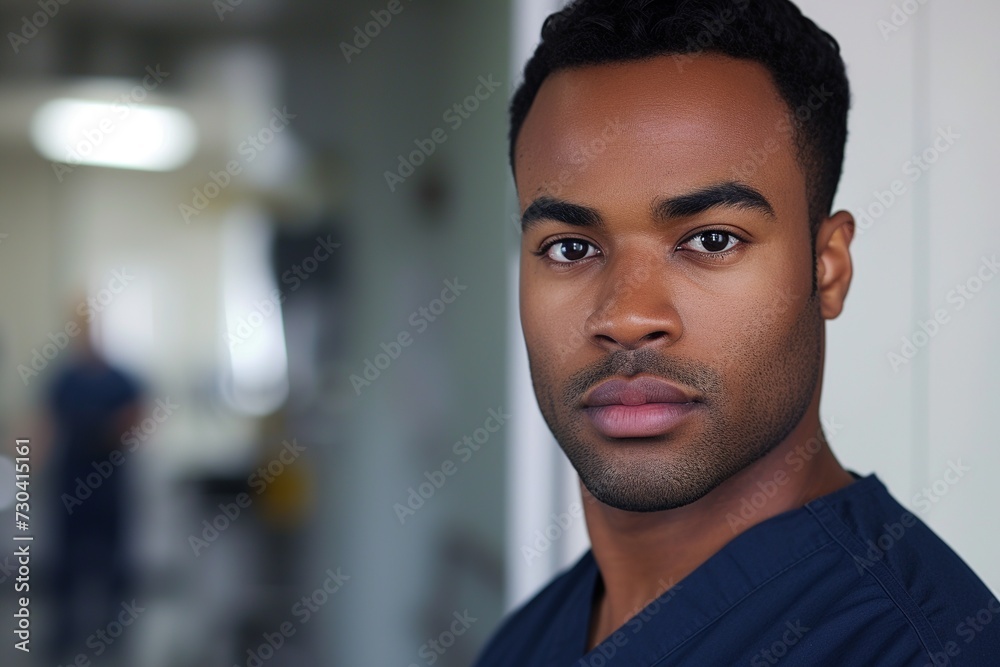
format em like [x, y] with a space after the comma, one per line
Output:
[648, 474]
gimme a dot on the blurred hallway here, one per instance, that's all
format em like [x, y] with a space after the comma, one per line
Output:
[239, 250]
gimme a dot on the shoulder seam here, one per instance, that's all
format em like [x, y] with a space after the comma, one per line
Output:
[739, 601]
[894, 590]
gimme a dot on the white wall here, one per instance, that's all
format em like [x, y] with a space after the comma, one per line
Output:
[961, 382]
[540, 480]
[406, 423]
[909, 424]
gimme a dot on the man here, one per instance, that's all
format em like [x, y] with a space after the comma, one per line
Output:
[93, 404]
[676, 163]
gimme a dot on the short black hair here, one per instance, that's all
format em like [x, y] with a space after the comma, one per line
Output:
[801, 57]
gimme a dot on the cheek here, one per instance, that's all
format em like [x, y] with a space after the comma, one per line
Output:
[765, 351]
[553, 313]
[553, 334]
[721, 334]
[741, 330]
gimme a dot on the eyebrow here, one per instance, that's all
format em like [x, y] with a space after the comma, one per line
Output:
[729, 194]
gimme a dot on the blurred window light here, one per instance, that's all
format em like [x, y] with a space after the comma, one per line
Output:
[110, 134]
[257, 379]
[122, 326]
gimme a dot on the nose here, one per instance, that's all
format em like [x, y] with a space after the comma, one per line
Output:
[635, 308]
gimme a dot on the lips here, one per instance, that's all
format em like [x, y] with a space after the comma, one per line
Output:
[639, 391]
[638, 408]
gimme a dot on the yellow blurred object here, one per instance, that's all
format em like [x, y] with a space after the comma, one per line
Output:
[289, 498]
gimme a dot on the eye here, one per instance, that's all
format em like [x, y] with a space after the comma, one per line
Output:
[567, 251]
[713, 242]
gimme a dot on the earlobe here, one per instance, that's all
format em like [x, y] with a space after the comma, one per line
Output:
[833, 262]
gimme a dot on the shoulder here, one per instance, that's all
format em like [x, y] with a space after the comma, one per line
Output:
[907, 576]
[127, 381]
[119, 387]
[523, 629]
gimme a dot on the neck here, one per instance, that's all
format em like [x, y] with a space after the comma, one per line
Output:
[640, 555]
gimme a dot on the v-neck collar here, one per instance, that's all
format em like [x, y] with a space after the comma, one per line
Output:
[746, 563]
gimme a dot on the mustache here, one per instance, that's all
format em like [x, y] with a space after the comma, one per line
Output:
[696, 375]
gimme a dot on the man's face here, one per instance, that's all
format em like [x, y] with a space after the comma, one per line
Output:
[690, 262]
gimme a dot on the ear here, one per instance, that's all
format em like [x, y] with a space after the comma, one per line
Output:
[833, 262]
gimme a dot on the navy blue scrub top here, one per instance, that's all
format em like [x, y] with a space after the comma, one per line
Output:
[852, 578]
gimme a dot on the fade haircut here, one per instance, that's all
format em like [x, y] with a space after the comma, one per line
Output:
[804, 61]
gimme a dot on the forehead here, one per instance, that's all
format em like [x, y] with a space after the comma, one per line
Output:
[656, 126]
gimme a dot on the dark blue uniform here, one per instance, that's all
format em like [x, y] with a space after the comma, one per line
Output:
[87, 400]
[852, 578]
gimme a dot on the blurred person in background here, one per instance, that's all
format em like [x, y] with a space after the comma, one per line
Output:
[92, 406]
